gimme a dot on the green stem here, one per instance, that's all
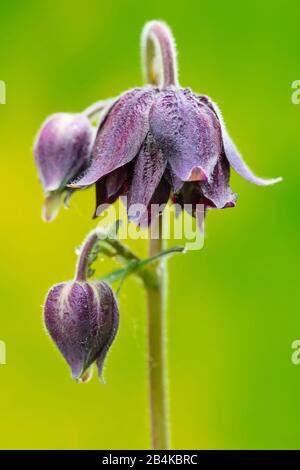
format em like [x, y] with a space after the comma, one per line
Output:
[157, 361]
[138, 267]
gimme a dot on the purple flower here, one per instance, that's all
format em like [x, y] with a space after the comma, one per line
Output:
[62, 150]
[154, 141]
[82, 318]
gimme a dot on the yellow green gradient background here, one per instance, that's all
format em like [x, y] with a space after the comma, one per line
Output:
[233, 306]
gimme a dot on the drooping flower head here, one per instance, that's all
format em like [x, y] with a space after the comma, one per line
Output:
[162, 139]
[62, 150]
[82, 318]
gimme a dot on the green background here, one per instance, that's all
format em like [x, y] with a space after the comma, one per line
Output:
[233, 306]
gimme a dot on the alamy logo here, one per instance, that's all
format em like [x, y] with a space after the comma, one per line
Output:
[296, 93]
[295, 357]
[178, 224]
[2, 92]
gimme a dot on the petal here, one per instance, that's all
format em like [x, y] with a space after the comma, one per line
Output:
[82, 319]
[192, 201]
[109, 188]
[217, 190]
[234, 157]
[120, 136]
[62, 149]
[51, 206]
[109, 303]
[188, 133]
[148, 171]
[116, 180]
[157, 204]
[101, 197]
[175, 182]
[68, 195]
[200, 214]
[189, 196]
[66, 309]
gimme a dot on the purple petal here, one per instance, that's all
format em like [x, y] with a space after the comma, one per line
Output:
[120, 136]
[109, 188]
[148, 171]
[191, 199]
[115, 180]
[82, 319]
[157, 204]
[217, 190]
[62, 148]
[188, 133]
[67, 320]
[232, 154]
[101, 197]
[109, 303]
[189, 196]
[175, 182]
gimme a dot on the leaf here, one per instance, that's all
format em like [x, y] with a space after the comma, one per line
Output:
[137, 265]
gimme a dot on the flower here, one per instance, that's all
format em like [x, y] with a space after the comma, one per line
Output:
[62, 150]
[163, 138]
[82, 318]
[157, 140]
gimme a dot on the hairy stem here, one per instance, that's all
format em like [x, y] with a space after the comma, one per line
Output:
[97, 107]
[159, 55]
[157, 361]
[110, 246]
[160, 69]
[83, 258]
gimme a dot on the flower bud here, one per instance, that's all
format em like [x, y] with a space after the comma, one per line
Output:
[82, 318]
[62, 150]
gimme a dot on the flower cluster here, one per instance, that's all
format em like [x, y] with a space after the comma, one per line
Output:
[153, 142]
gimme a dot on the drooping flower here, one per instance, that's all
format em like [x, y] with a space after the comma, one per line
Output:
[62, 149]
[171, 138]
[82, 318]
[161, 139]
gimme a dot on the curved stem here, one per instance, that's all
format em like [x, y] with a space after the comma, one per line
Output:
[83, 258]
[157, 361]
[97, 107]
[110, 246]
[159, 55]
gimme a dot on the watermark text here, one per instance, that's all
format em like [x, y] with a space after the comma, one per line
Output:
[296, 94]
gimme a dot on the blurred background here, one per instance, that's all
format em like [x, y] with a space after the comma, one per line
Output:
[233, 306]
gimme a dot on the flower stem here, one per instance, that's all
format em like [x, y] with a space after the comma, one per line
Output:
[110, 246]
[97, 107]
[157, 361]
[159, 55]
[160, 69]
[82, 263]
